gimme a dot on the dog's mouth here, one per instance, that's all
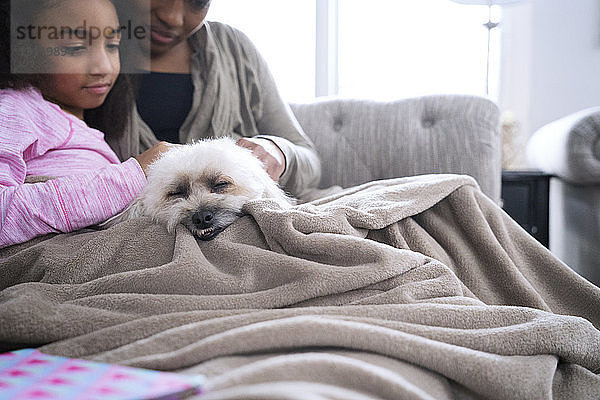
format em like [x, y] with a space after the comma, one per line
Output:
[205, 224]
[208, 233]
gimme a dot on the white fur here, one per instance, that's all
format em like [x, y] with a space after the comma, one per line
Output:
[192, 163]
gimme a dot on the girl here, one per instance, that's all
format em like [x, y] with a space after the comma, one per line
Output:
[42, 128]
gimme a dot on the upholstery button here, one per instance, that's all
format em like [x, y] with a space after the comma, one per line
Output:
[337, 124]
[427, 122]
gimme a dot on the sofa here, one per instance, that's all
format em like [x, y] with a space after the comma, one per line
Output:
[569, 149]
[360, 140]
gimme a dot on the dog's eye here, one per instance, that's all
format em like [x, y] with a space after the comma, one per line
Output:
[220, 186]
[179, 192]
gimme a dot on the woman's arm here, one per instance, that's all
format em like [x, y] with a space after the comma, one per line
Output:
[276, 122]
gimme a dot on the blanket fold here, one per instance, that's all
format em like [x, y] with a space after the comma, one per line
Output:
[416, 287]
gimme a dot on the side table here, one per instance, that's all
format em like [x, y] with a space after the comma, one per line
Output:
[525, 197]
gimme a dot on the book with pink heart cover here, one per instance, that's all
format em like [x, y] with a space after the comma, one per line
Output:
[29, 374]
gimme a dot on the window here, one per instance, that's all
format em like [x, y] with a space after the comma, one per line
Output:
[400, 48]
[380, 49]
[284, 33]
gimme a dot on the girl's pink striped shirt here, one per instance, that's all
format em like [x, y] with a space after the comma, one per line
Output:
[38, 138]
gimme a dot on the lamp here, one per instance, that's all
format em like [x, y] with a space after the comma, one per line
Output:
[489, 25]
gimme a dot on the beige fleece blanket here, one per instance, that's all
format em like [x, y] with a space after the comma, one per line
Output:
[414, 288]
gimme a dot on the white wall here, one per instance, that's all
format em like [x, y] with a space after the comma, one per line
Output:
[550, 60]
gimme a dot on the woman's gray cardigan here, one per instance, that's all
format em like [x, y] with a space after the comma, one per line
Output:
[234, 95]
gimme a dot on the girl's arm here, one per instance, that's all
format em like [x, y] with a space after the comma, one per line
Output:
[63, 204]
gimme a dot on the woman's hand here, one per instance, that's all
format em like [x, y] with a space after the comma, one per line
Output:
[150, 155]
[266, 151]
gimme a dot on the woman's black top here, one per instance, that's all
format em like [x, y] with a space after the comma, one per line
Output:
[163, 101]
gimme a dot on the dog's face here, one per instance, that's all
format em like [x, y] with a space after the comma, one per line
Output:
[204, 186]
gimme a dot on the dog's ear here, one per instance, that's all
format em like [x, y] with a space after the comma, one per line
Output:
[135, 209]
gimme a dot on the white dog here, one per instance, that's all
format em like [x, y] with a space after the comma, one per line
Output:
[203, 186]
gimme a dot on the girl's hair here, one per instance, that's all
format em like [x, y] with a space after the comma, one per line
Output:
[8, 80]
[23, 15]
[111, 117]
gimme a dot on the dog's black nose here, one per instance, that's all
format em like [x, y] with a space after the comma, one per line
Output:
[203, 219]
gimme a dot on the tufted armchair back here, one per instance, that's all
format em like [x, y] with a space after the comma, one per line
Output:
[569, 149]
[362, 140]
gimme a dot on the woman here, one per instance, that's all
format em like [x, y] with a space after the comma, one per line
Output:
[207, 79]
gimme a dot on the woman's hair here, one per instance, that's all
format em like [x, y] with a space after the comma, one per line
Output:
[111, 117]
[200, 3]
